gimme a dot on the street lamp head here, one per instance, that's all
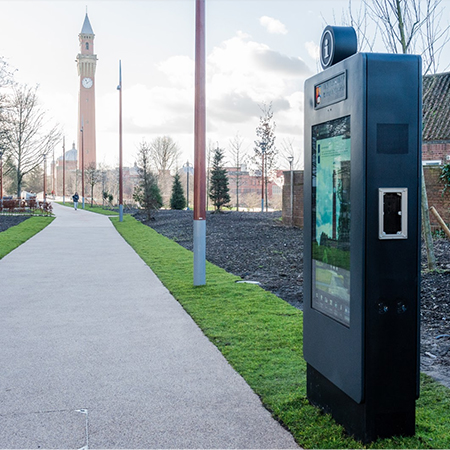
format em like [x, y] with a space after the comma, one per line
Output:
[290, 159]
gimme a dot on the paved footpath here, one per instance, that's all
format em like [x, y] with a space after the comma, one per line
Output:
[96, 353]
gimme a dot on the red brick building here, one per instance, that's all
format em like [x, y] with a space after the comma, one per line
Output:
[248, 185]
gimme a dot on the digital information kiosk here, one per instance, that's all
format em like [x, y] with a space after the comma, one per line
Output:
[362, 237]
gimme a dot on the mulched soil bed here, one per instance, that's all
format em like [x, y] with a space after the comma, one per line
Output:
[10, 221]
[258, 247]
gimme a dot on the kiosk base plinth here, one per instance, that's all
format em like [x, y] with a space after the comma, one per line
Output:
[365, 421]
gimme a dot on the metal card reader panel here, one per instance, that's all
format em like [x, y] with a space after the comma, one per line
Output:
[393, 213]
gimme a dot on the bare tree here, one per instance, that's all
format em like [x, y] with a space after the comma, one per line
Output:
[6, 73]
[265, 151]
[93, 176]
[405, 26]
[238, 155]
[288, 151]
[164, 152]
[29, 135]
[5, 80]
[413, 26]
[359, 20]
[33, 180]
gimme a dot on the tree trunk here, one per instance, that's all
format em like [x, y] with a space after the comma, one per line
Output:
[426, 227]
[265, 185]
[19, 183]
[237, 189]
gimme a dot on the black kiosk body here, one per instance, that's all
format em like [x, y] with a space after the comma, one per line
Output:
[362, 233]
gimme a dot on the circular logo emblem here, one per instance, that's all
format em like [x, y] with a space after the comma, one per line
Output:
[326, 49]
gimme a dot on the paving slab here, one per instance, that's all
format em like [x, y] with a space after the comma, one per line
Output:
[96, 353]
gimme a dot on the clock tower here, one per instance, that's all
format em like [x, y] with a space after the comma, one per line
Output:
[86, 64]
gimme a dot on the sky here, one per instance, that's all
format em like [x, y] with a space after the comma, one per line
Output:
[258, 51]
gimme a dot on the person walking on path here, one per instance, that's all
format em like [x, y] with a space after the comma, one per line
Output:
[75, 199]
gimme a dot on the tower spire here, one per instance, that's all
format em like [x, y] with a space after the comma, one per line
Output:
[87, 28]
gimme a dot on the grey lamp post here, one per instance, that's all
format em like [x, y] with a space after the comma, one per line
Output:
[199, 148]
[1, 177]
[64, 171]
[119, 88]
[45, 178]
[82, 162]
[187, 185]
[291, 160]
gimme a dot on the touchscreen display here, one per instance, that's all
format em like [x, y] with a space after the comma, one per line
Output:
[331, 219]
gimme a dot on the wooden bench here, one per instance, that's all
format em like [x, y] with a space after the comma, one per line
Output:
[13, 205]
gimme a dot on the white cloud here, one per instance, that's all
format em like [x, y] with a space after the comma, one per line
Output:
[245, 67]
[159, 110]
[272, 25]
[241, 75]
[313, 49]
[179, 70]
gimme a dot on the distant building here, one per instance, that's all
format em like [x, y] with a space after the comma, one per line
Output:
[71, 159]
[249, 187]
[436, 119]
[130, 180]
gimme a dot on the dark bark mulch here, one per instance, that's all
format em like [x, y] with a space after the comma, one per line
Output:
[10, 221]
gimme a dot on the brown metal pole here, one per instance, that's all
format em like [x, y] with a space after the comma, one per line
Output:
[199, 149]
[187, 185]
[120, 146]
[45, 178]
[53, 176]
[64, 170]
[82, 162]
[1, 177]
[262, 183]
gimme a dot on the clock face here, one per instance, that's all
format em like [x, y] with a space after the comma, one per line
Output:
[87, 82]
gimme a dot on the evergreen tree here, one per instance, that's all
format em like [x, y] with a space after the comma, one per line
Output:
[177, 200]
[146, 193]
[218, 189]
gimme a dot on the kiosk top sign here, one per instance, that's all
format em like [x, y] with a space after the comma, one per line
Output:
[331, 91]
[336, 44]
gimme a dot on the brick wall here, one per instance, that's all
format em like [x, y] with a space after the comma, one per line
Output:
[432, 151]
[298, 199]
[434, 193]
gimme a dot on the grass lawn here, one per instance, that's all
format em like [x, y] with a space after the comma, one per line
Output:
[95, 208]
[261, 336]
[17, 235]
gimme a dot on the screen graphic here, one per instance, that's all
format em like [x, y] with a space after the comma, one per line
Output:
[331, 219]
